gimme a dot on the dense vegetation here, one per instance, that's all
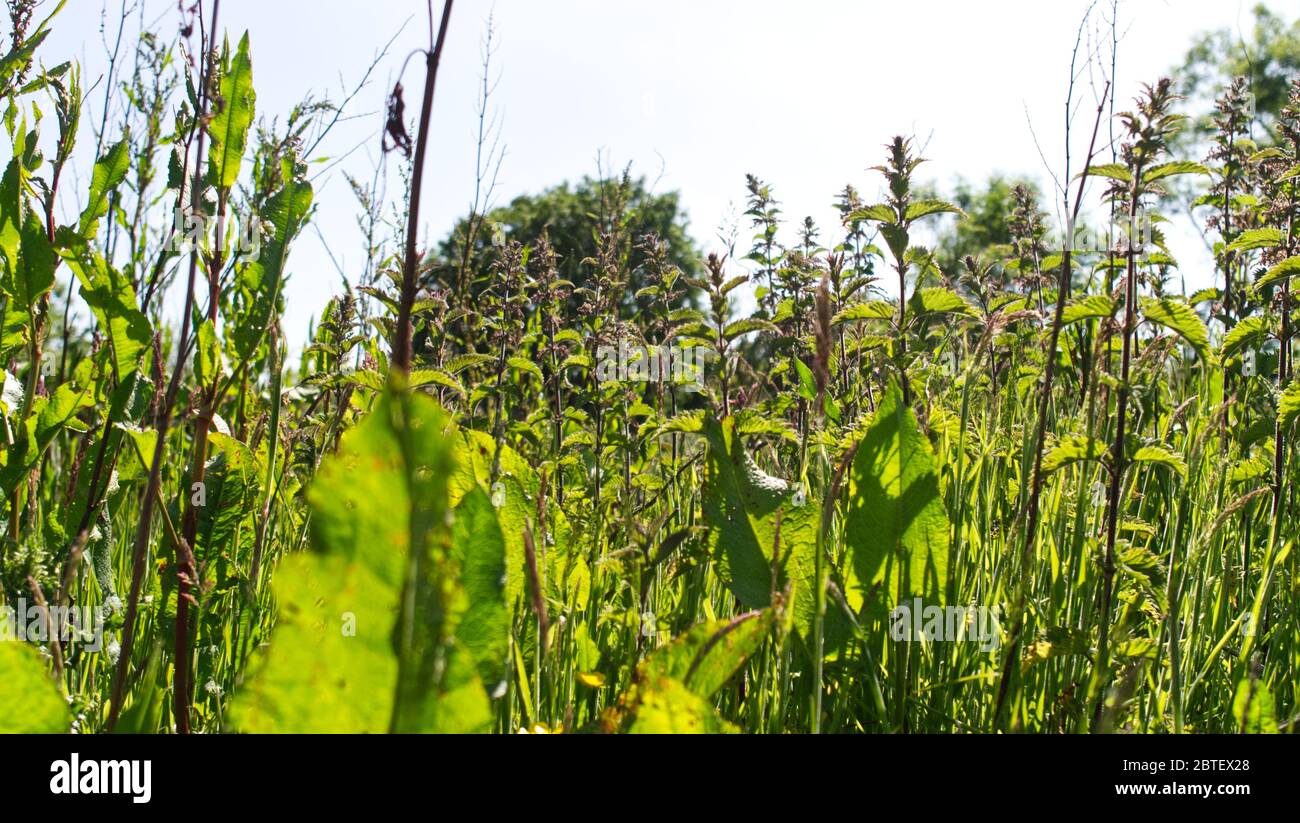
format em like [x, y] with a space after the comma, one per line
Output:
[508, 490]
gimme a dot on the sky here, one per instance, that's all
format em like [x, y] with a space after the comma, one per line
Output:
[694, 94]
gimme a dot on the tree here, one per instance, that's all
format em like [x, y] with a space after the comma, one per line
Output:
[571, 216]
[1268, 62]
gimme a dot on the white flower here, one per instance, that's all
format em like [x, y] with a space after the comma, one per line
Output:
[212, 688]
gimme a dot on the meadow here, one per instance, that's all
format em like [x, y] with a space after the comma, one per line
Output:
[823, 480]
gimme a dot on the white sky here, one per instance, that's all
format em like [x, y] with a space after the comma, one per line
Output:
[693, 94]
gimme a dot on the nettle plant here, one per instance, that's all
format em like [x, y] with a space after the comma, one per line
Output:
[1037, 488]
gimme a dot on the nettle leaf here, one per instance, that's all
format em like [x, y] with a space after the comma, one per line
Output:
[923, 208]
[1072, 449]
[897, 528]
[229, 125]
[941, 300]
[436, 377]
[1278, 273]
[29, 699]
[1084, 308]
[878, 213]
[31, 276]
[524, 365]
[379, 506]
[750, 324]
[1249, 332]
[741, 507]
[869, 310]
[1173, 168]
[1160, 456]
[1288, 404]
[1256, 239]
[1180, 318]
[1110, 171]
[226, 526]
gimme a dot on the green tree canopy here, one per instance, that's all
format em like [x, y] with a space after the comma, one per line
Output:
[573, 216]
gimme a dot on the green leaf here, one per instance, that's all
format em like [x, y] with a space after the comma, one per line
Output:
[49, 416]
[941, 300]
[379, 514]
[1256, 239]
[1253, 708]
[207, 355]
[870, 310]
[482, 617]
[807, 384]
[229, 125]
[709, 654]
[1173, 168]
[110, 170]
[741, 505]
[524, 365]
[1072, 449]
[287, 211]
[1249, 331]
[1180, 318]
[897, 529]
[1110, 171]
[113, 303]
[29, 700]
[1161, 457]
[737, 328]
[878, 213]
[232, 482]
[436, 377]
[1083, 308]
[1276, 274]
[666, 706]
[1288, 404]
[923, 208]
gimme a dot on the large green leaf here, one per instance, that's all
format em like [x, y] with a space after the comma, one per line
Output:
[897, 529]
[379, 523]
[233, 480]
[29, 700]
[482, 621]
[741, 506]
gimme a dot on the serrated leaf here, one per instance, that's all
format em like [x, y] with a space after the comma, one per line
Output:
[1180, 318]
